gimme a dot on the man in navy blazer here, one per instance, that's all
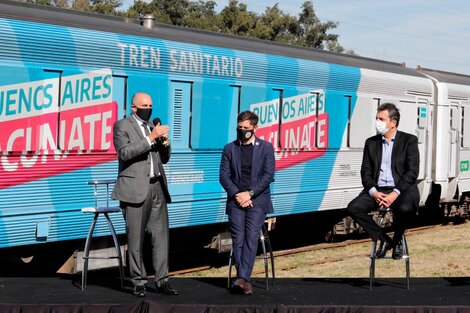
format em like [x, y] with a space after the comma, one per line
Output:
[390, 167]
[246, 171]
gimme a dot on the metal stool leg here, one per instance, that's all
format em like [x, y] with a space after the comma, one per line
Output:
[265, 258]
[230, 263]
[372, 264]
[407, 261]
[270, 250]
[118, 249]
[86, 253]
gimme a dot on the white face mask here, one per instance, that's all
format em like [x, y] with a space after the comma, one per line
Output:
[381, 127]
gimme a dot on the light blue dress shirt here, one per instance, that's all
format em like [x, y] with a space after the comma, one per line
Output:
[386, 176]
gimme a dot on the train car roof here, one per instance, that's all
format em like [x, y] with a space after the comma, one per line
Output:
[446, 77]
[71, 18]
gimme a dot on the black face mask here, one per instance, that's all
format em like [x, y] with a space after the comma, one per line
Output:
[245, 134]
[144, 114]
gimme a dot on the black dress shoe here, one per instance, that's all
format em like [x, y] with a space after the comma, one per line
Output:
[166, 289]
[383, 248]
[139, 291]
[398, 251]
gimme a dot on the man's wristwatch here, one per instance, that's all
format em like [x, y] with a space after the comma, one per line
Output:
[252, 194]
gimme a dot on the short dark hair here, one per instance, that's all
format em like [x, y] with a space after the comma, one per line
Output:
[248, 116]
[393, 112]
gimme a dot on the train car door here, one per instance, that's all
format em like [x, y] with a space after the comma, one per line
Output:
[453, 136]
[453, 139]
[415, 120]
[464, 157]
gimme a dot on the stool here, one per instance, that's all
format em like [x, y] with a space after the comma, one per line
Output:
[406, 256]
[97, 210]
[266, 256]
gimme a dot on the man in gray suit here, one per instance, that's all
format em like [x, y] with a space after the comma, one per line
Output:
[141, 187]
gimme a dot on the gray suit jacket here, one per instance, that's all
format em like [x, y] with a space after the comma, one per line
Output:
[133, 150]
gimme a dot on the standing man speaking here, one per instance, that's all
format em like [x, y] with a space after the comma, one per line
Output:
[246, 171]
[141, 187]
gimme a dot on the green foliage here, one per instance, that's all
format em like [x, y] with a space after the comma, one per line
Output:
[236, 19]
[274, 25]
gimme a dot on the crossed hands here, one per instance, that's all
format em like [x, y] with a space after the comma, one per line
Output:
[384, 200]
[244, 199]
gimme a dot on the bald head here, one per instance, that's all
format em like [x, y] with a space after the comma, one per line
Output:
[142, 105]
[141, 100]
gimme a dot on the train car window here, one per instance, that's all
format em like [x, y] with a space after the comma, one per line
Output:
[180, 114]
[120, 94]
[282, 141]
[454, 118]
[465, 126]
[214, 115]
[362, 123]
[347, 132]
[409, 111]
[236, 99]
[321, 125]
[303, 122]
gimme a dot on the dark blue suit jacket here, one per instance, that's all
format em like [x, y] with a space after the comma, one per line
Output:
[262, 173]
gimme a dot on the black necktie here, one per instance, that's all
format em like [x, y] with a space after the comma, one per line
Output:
[153, 155]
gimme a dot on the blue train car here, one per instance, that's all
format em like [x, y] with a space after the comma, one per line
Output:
[66, 77]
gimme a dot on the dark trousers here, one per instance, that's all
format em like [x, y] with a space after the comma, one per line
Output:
[403, 208]
[245, 225]
[151, 216]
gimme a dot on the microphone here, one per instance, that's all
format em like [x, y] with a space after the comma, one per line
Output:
[157, 122]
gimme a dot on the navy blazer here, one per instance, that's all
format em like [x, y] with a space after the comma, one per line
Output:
[405, 162]
[262, 173]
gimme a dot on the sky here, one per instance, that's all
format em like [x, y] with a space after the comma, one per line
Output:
[428, 33]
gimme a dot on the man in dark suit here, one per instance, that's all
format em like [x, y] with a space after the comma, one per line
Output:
[246, 171]
[390, 167]
[141, 187]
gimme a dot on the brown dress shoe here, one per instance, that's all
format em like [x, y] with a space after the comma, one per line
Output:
[238, 286]
[248, 288]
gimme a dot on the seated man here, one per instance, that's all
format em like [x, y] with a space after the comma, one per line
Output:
[390, 166]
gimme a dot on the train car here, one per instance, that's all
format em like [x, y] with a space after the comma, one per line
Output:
[66, 77]
[452, 137]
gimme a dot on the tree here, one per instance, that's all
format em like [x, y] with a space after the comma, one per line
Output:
[41, 2]
[108, 7]
[275, 25]
[314, 33]
[81, 5]
[202, 15]
[236, 19]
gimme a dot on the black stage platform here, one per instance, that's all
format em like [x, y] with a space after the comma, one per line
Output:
[63, 294]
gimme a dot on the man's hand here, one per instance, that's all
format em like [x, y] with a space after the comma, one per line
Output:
[247, 204]
[159, 131]
[244, 199]
[383, 199]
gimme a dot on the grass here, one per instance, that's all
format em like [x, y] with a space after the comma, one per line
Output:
[442, 251]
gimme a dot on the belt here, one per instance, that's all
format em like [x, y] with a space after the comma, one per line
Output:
[155, 179]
